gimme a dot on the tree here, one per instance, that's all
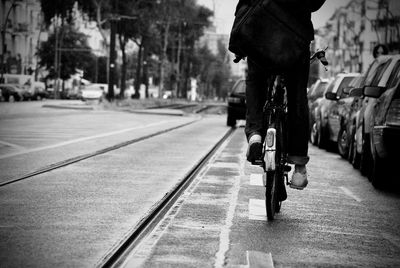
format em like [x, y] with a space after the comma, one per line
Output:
[181, 24]
[75, 53]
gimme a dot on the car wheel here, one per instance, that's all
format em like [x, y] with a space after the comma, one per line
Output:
[378, 173]
[365, 159]
[314, 134]
[230, 121]
[321, 138]
[351, 147]
[355, 156]
[342, 143]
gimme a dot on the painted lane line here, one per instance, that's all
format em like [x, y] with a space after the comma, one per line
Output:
[257, 259]
[256, 179]
[257, 210]
[15, 146]
[350, 194]
[84, 139]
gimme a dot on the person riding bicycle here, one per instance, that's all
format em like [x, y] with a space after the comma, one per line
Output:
[296, 83]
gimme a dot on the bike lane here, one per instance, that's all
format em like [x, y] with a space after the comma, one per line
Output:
[339, 220]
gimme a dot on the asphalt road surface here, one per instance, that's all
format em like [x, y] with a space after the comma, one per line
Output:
[73, 215]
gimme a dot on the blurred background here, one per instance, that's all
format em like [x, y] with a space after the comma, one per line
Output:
[164, 48]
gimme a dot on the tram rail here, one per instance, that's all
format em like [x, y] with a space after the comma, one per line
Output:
[79, 158]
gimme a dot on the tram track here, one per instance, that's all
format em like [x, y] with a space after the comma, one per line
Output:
[82, 157]
[117, 255]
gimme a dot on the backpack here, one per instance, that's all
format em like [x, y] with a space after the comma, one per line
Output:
[267, 35]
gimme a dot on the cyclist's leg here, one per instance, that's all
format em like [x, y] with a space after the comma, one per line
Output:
[298, 120]
[256, 94]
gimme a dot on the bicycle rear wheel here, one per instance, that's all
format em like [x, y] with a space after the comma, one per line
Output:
[272, 203]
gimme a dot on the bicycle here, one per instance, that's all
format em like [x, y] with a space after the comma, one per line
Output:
[274, 156]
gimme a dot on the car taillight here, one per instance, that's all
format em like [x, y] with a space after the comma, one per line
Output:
[393, 113]
[234, 100]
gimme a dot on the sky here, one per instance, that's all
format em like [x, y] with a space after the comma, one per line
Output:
[224, 10]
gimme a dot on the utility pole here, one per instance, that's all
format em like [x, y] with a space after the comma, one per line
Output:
[55, 86]
[386, 23]
[111, 67]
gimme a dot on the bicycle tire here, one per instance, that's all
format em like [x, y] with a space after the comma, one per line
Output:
[271, 194]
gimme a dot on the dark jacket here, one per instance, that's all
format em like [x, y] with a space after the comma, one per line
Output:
[299, 9]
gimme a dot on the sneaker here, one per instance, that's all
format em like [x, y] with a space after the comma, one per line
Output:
[299, 178]
[254, 151]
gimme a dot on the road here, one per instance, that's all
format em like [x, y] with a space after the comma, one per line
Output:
[75, 214]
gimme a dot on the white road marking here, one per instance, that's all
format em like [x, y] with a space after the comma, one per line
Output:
[257, 259]
[257, 210]
[256, 179]
[12, 145]
[82, 139]
[350, 194]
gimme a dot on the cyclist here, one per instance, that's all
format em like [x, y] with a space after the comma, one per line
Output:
[296, 82]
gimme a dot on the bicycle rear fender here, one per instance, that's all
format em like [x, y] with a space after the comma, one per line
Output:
[270, 149]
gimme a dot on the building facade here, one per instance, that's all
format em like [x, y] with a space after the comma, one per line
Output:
[354, 30]
[22, 22]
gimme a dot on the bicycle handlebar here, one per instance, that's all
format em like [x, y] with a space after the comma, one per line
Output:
[319, 54]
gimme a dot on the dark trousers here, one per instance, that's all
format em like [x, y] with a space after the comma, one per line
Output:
[298, 121]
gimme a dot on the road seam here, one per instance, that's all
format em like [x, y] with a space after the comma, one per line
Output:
[89, 155]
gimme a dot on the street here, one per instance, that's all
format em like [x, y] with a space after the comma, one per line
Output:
[74, 182]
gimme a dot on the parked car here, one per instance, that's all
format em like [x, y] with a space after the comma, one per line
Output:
[316, 91]
[10, 92]
[236, 103]
[327, 115]
[385, 124]
[39, 91]
[338, 118]
[348, 115]
[356, 142]
[26, 92]
[378, 76]
[93, 92]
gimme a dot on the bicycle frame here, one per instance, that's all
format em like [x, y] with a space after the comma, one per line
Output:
[275, 155]
[275, 110]
[274, 148]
